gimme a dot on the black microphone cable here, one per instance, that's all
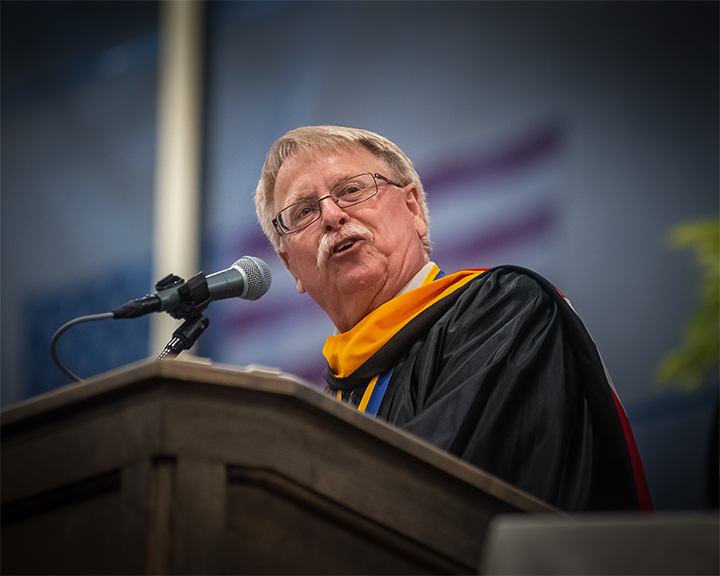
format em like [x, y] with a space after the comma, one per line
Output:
[62, 329]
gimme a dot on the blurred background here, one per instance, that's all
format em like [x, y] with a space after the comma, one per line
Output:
[570, 138]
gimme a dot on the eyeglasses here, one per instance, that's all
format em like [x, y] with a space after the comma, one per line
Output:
[347, 193]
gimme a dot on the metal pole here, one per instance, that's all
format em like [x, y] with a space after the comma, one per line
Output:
[176, 228]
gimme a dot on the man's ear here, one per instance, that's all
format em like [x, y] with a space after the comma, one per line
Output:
[412, 200]
[286, 260]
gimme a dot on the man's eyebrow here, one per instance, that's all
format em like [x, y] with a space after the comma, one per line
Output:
[342, 179]
[301, 197]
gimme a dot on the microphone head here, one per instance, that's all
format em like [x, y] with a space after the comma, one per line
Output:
[257, 274]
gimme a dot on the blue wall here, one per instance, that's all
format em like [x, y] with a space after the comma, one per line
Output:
[78, 143]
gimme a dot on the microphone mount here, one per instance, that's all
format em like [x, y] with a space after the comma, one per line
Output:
[185, 336]
[195, 297]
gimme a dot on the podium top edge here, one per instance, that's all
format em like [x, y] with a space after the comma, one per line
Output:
[247, 377]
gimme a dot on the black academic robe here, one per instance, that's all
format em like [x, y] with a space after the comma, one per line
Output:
[503, 374]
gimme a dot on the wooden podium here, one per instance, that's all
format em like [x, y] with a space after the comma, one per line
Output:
[173, 467]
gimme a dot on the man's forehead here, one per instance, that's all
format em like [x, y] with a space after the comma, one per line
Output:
[301, 172]
[312, 160]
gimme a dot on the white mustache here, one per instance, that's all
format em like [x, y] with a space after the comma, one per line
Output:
[329, 240]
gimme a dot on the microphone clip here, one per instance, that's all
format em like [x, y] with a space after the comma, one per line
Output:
[194, 294]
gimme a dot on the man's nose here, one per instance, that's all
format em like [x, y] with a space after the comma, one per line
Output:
[331, 214]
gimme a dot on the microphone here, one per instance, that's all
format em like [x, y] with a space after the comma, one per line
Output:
[248, 278]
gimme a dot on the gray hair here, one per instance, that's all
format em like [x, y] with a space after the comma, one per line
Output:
[328, 140]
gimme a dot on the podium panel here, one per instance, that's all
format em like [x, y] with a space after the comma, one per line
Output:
[172, 467]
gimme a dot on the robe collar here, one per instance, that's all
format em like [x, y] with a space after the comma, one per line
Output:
[348, 351]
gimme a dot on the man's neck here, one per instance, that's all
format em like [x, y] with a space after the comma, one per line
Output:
[415, 282]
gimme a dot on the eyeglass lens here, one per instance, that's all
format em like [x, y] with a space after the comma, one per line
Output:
[349, 192]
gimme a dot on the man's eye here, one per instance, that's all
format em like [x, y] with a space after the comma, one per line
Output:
[350, 191]
[303, 211]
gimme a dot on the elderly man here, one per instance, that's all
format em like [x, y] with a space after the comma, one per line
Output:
[491, 365]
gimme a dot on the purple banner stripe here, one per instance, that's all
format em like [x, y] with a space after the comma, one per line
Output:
[473, 166]
[516, 230]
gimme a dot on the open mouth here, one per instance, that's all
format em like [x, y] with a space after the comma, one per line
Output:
[340, 242]
[344, 245]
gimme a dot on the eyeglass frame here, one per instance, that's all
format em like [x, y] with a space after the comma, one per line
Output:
[279, 226]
